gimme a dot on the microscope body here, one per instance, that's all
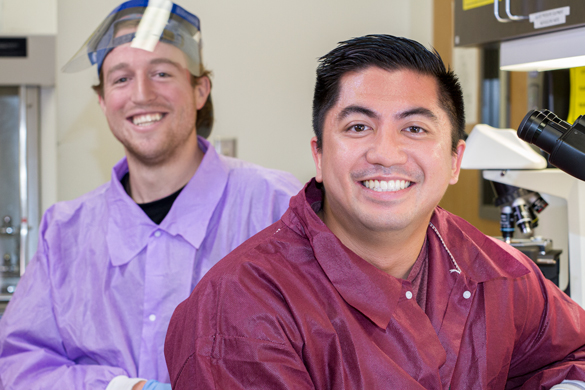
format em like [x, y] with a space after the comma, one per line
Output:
[563, 221]
[507, 159]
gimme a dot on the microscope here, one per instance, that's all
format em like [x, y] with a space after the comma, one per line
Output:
[520, 176]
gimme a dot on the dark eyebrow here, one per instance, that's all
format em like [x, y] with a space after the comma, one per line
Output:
[417, 111]
[356, 110]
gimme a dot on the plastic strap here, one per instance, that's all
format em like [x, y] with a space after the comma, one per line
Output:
[153, 22]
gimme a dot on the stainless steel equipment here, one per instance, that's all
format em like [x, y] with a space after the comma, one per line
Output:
[28, 66]
[19, 183]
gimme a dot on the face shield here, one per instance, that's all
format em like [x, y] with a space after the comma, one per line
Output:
[143, 23]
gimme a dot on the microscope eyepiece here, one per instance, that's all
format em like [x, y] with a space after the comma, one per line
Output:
[542, 128]
[565, 143]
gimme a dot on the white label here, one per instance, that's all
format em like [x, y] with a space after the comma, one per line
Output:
[551, 17]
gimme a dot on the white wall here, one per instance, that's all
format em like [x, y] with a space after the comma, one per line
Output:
[263, 55]
[38, 17]
[28, 16]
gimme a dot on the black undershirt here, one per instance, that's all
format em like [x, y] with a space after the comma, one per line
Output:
[157, 210]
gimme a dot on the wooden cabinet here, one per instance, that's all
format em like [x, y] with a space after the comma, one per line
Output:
[476, 23]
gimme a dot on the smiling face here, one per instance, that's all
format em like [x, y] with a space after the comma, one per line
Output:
[150, 104]
[386, 158]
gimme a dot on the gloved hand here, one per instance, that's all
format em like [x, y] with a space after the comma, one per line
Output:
[156, 385]
[568, 385]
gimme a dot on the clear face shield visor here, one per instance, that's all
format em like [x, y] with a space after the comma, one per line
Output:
[142, 23]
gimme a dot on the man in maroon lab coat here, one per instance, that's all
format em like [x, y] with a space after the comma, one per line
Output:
[365, 283]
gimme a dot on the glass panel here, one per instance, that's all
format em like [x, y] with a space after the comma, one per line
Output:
[9, 195]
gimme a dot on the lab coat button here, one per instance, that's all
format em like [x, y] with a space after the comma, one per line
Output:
[466, 295]
[408, 295]
[152, 317]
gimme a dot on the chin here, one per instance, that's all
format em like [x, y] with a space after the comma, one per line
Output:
[382, 223]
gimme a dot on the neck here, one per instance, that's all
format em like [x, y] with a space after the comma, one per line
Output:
[152, 182]
[393, 252]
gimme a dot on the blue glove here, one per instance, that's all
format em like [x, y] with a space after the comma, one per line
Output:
[156, 385]
[569, 385]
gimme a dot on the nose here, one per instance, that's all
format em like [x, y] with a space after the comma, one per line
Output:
[387, 149]
[143, 90]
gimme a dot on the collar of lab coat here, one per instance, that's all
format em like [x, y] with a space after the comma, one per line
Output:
[376, 294]
[129, 228]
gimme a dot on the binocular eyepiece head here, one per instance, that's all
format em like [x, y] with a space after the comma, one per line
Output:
[565, 143]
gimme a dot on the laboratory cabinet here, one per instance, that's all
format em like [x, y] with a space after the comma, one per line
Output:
[28, 67]
[19, 188]
[476, 22]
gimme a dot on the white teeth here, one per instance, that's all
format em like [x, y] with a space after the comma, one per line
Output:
[386, 186]
[146, 119]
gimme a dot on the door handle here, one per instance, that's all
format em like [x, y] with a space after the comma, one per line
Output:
[509, 13]
[497, 13]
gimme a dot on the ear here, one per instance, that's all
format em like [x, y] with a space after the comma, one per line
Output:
[317, 155]
[456, 162]
[102, 103]
[201, 91]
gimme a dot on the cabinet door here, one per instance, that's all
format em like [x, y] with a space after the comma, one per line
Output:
[475, 22]
[19, 183]
[9, 190]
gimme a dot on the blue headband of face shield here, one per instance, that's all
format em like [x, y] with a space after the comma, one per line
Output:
[154, 20]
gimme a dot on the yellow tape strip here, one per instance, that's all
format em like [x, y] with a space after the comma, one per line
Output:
[577, 97]
[470, 4]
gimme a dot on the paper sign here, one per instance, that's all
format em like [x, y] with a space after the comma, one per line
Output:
[551, 17]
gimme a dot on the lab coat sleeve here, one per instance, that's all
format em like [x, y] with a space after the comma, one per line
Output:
[32, 352]
[551, 345]
[238, 369]
[270, 197]
[262, 198]
[286, 186]
[227, 336]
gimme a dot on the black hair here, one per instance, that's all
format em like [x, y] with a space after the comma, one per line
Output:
[389, 53]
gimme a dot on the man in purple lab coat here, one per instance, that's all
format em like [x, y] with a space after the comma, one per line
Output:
[92, 310]
[365, 283]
